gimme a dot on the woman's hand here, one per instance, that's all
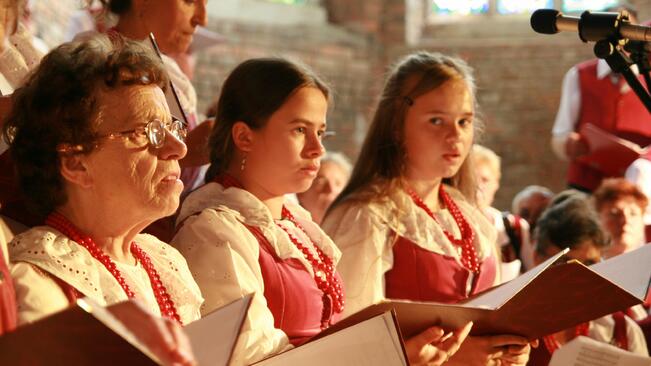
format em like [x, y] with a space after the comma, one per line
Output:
[493, 350]
[433, 347]
[164, 337]
[575, 146]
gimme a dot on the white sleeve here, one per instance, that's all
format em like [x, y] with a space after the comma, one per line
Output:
[37, 295]
[567, 116]
[636, 340]
[639, 173]
[223, 258]
[366, 254]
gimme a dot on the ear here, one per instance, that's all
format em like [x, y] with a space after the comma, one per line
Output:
[73, 169]
[243, 136]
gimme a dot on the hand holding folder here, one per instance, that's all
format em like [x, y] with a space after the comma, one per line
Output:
[549, 298]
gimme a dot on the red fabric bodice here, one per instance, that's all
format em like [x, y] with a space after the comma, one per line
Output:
[603, 105]
[421, 275]
[299, 307]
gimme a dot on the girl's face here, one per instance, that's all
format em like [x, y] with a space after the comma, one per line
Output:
[285, 154]
[439, 131]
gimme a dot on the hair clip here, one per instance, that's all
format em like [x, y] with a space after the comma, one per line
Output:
[409, 101]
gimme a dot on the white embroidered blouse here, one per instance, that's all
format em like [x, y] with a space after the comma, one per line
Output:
[44, 249]
[223, 257]
[365, 232]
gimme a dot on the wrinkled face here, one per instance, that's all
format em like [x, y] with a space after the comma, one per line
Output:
[623, 219]
[327, 185]
[439, 131]
[8, 20]
[126, 171]
[487, 183]
[531, 208]
[286, 153]
[173, 22]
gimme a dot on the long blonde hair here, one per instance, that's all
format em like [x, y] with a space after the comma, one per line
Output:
[383, 154]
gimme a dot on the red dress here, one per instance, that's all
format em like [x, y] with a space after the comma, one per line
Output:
[299, 307]
[421, 275]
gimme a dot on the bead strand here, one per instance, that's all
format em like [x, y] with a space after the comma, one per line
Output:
[330, 284]
[165, 303]
[469, 258]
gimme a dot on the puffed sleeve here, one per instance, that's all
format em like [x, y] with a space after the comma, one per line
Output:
[37, 295]
[365, 244]
[223, 258]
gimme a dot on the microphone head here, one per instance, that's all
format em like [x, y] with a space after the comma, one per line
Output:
[544, 21]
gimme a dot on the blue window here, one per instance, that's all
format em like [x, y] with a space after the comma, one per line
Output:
[522, 6]
[456, 7]
[581, 5]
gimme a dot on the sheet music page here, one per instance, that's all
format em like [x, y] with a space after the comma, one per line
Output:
[584, 351]
[630, 271]
[369, 343]
[213, 336]
[493, 299]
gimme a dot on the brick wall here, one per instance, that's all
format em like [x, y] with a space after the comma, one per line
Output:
[518, 72]
[342, 58]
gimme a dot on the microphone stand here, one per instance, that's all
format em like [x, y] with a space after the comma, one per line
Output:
[639, 52]
[604, 29]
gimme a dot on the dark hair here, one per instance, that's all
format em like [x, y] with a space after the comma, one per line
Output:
[118, 7]
[58, 105]
[383, 154]
[567, 223]
[252, 92]
[615, 189]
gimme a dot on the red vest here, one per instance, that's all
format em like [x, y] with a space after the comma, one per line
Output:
[421, 275]
[299, 307]
[604, 106]
[8, 310]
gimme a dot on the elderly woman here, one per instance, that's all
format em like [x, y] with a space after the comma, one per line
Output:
[96, 152]
[621, 205]
[331, 178]
[173, 23]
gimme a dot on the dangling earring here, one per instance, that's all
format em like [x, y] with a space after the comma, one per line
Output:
[243, 163]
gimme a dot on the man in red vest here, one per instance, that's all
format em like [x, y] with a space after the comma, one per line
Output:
[593, 94]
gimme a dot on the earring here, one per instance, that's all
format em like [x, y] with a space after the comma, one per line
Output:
[243, 163]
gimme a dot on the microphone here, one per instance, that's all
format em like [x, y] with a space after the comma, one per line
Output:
[592, 26]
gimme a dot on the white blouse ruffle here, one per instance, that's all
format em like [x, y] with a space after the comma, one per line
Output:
[44, 249]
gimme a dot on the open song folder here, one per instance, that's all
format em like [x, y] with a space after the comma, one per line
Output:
[584, 351]
[88, 334]
[551, 297]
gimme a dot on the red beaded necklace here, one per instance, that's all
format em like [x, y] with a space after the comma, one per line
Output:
[551, 343]
[469, 257]
[323, 268]
[165, 303]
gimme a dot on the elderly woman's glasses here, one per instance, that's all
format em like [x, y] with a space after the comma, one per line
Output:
[155, 131]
